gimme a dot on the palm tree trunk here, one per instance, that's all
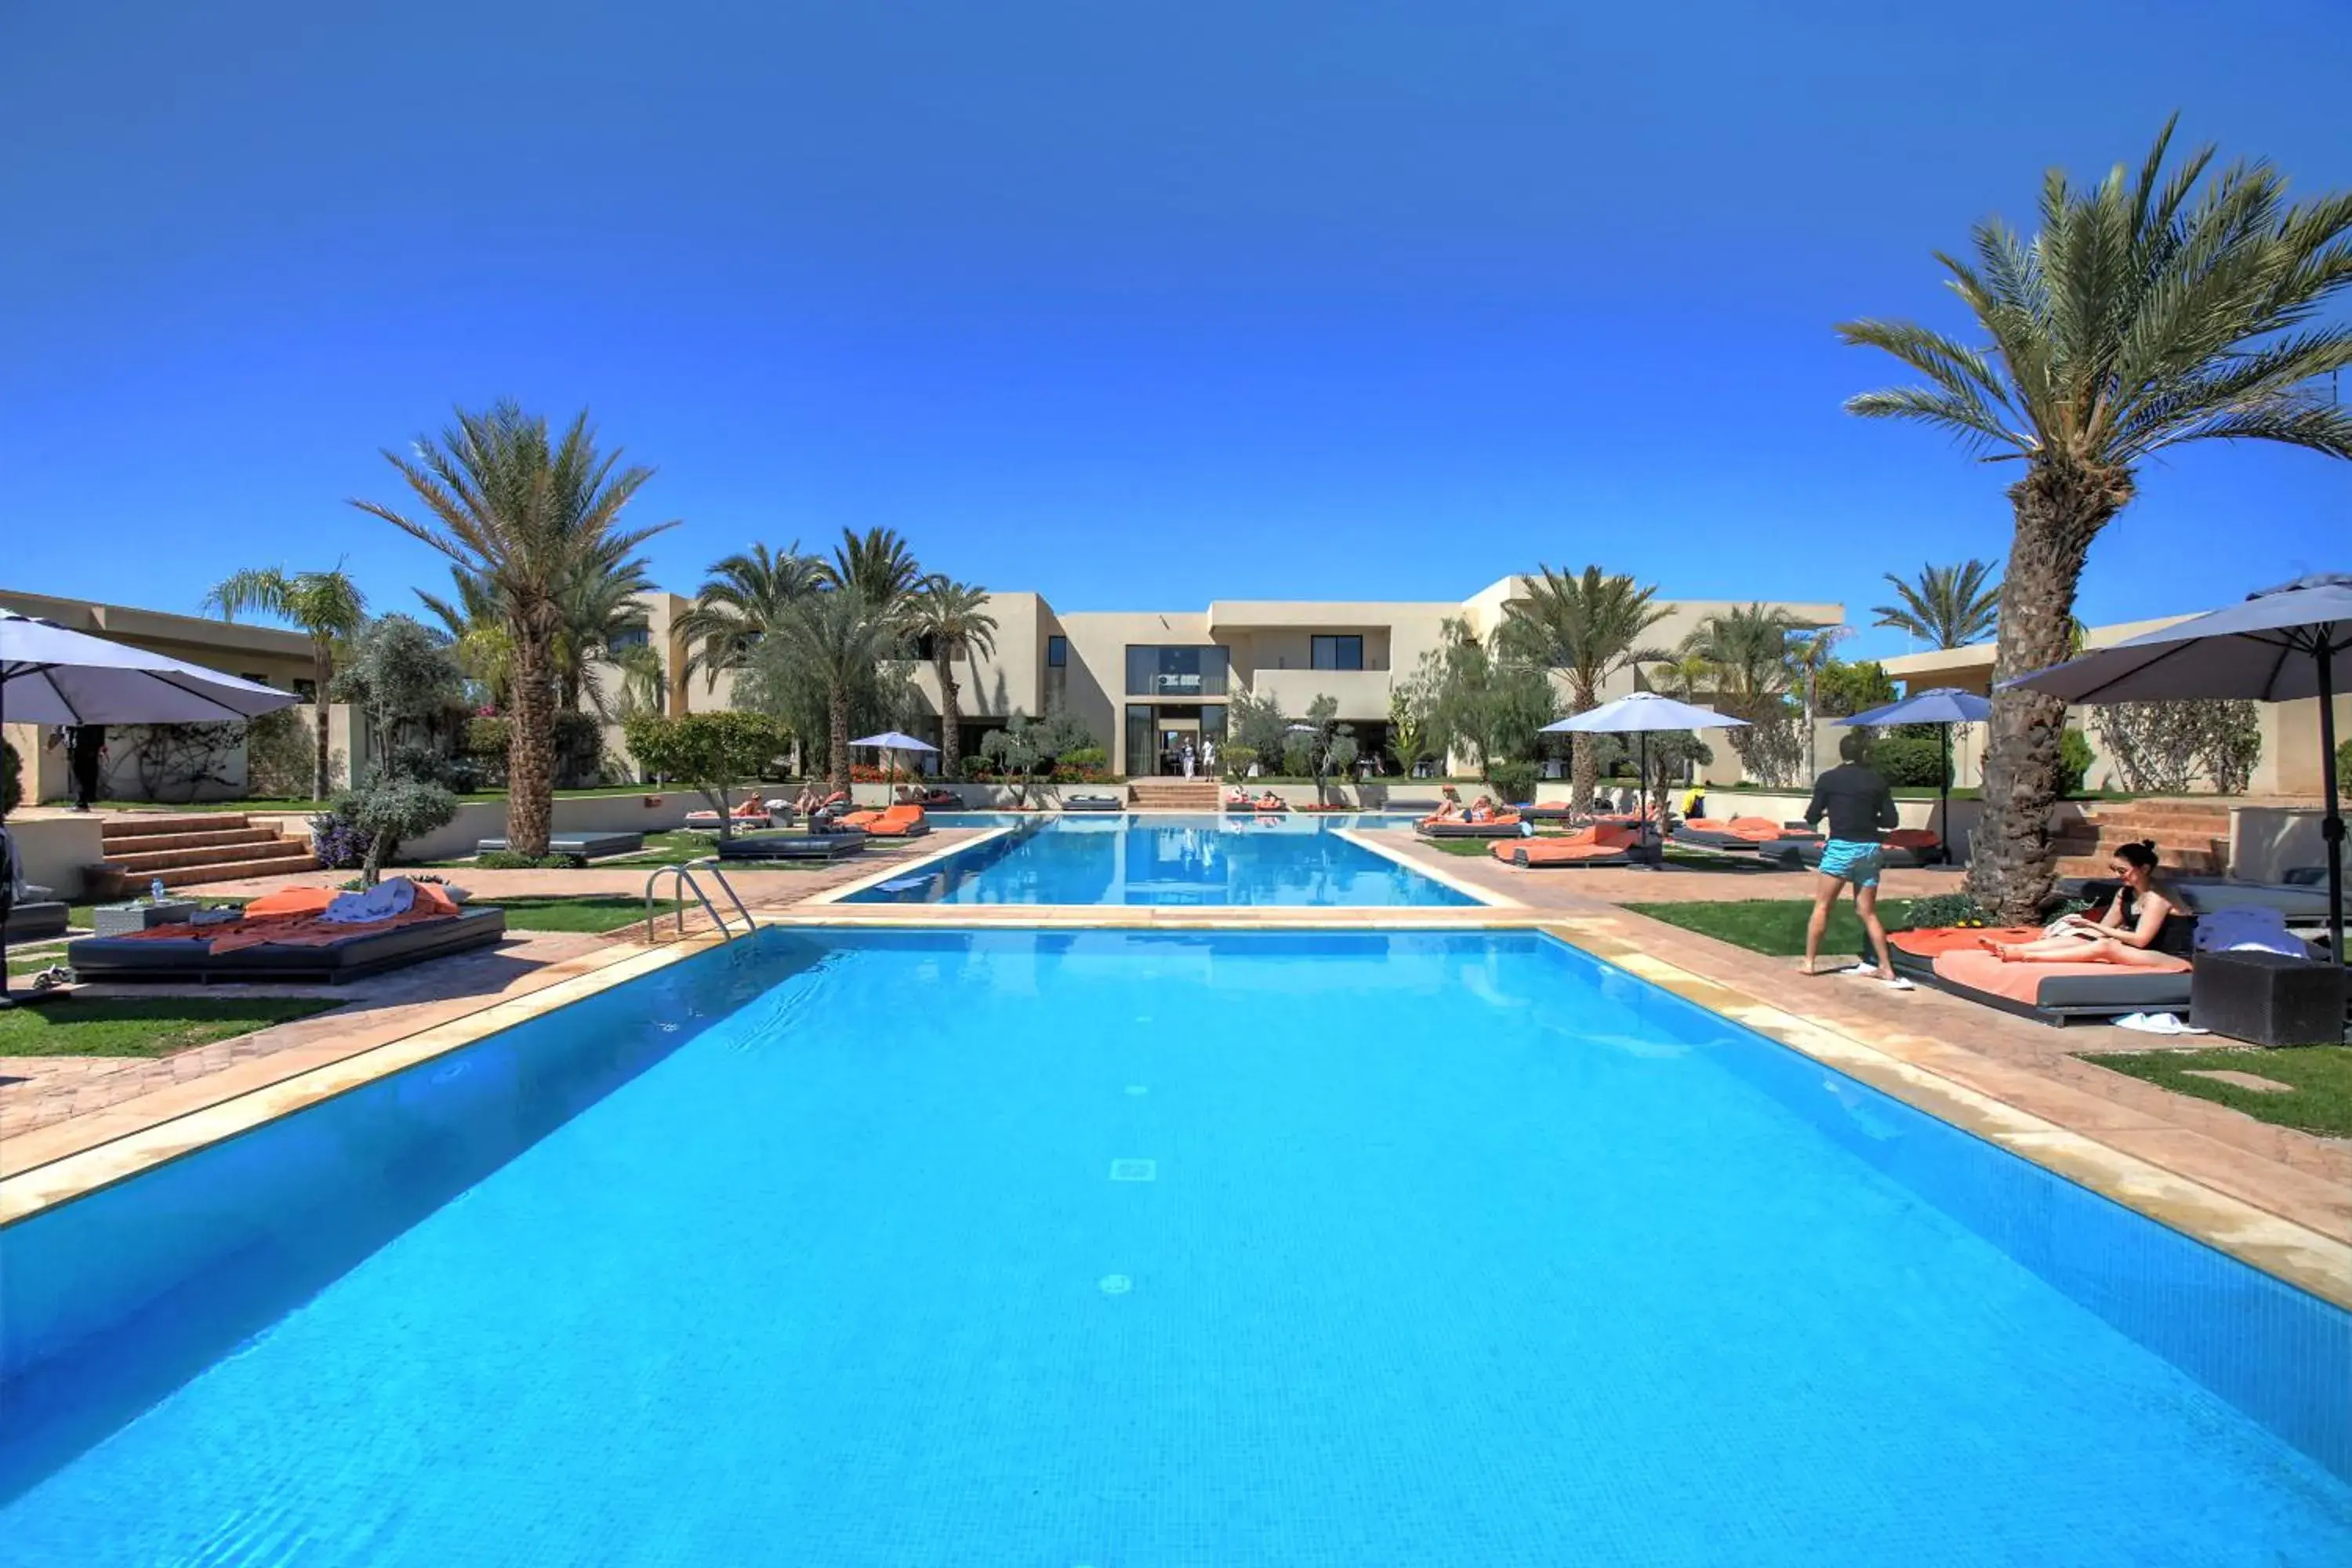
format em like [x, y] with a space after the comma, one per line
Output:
[1583, 767]
[837, 735]
[2060, 508]
[531, 750]
[951, 722]
[323, 671]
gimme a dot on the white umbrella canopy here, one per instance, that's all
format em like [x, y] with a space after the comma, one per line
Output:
[51, 674]
[1644, 713]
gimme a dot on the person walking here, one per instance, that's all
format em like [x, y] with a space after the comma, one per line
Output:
[1859, 808]
[1189, 759]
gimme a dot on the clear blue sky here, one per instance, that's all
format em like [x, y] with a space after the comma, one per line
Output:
[1135, 304]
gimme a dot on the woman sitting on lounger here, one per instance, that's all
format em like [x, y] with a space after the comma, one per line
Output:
[1481, 810]
[2125, 932]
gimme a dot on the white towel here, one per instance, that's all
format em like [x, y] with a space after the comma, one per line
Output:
[380, 903]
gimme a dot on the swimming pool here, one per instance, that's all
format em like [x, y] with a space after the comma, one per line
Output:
[1169, 859]
[1119, 1248]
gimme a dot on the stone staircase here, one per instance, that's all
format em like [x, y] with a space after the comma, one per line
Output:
[201, 846]
[1175, 795]
[2192, 837]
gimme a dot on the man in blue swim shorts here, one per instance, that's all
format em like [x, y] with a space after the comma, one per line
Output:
[1859, 808]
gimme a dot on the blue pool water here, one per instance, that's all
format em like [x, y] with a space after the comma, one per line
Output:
[1169, 859]
[1455, 1249]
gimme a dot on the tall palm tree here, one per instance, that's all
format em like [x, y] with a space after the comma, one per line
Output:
[742, 599]
[1587, 627]
[1811, 652]
[1945, 606]
[954, 617]
[600, 609]
[327, 605]
[838, 638]
[1750, 654]
[879, 565]
[2148, 312]
[524, 513]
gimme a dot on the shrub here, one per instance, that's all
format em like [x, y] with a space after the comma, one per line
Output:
[2344, 765]
[12, 782]
[1085, 758]
[1237, 760]
[1941, 909]
[1910, 761]
[709, 751]
[2074, 761]
[516, 861]
[1513, 781]
[340, 843]
[280, 755]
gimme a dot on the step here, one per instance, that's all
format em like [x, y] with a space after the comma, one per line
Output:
[163, 822]
[150, 843]
[141, 862]
[105, 886]
[2191, 862]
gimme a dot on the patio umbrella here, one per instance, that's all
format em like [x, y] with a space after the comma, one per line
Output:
[2281, 645]
[1943, 705]
[51, 674]
[1643, 713]
[892, 740]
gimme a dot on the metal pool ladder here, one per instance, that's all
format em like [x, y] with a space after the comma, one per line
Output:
[687, 880]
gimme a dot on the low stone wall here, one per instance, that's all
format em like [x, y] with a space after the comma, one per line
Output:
[57, 851]
[2266, 842]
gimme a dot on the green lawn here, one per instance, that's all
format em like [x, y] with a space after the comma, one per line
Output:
[143, 1026]
[1776, 926]
[2322, 1076]
[588, 912]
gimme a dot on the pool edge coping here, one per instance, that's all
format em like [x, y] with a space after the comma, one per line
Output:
[2276, 1245]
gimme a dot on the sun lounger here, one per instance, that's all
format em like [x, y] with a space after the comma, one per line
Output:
[792, 846]
[1902, 847]
[1506, 826]
[896, 822]
[38, 919]
[1092, 803]
[1601, 844]
[242, 950]
[587, 845]
[2301, 902]
[1955, 960]
[1739, 834]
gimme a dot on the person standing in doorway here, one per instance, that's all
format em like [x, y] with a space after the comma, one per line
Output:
[85, 747]
[1859, 808]
[1189, 759]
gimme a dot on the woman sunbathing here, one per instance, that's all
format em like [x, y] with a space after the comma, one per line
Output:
[2125, 932]
[1270, 801]
[1481, 810]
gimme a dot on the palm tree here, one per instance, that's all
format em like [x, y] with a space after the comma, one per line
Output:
[476, 634]
[328, 605]
[954, 617]
[525, 515]
[743, 599]
[600, 609]
[1587, 627]
[1811, 652]
[879, 565]
[1945, 606]
[838, 638]
[1751, 656]
[2147, 312]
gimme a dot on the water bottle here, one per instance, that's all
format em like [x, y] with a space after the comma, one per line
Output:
[155, 890]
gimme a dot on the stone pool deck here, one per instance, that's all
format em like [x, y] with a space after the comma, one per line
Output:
[2278, 1198]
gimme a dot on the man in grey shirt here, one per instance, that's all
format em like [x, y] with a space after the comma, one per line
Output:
[1860, 806]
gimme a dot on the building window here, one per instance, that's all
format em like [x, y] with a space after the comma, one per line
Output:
[1180, 673]
[1338, 653]
[307, 690]
[633, 637]
[1141, 756]
[1057, 653]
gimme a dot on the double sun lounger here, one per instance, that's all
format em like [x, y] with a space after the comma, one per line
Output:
[1954, 959]
[283, 937]
[1603, 844]
[1505, 825]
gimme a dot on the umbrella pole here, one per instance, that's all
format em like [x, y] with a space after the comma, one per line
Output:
[8, 851]
[1658, 855]
[1943, 799]
[2331, 826]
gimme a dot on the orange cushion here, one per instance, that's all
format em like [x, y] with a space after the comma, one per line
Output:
[2022, 981]
[1936, 940]
[295, 902]
[1911, 838]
